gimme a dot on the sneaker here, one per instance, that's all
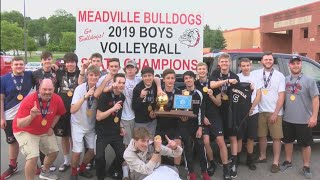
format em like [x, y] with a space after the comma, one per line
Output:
[275, 168]
[89, 167]
[52, 168]
[212, 169]
[233, 171]
[86, 174]
[64, 167]
[192, 176]
[285, 165]
[205, 176]
[9, 172]
[306, 172]
[250, 163]
[47, 175]
[226, 172]
[73, 177]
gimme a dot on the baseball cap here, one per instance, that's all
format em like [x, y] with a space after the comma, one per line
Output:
[131, 63]
[294, 58]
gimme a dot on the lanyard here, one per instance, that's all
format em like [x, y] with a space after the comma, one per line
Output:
[150, 97]
[206, 83]
[70, 81]
[44, 112]
[90, 99]
[170, 97]
[114, 101]
[224, 87]
[15, 82]
[294, 86]
[265, 80]
[53, 75]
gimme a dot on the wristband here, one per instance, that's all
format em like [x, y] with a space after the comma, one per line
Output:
[81, 74]
[156, 152]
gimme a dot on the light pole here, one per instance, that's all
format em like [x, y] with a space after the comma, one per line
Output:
[25, 31]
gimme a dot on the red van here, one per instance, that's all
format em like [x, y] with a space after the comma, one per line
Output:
[5, 64]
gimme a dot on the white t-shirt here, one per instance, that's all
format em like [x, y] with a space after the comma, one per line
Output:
[256, 85]
[101, 79]
[79, 120]
[270, 94]
[127, 112]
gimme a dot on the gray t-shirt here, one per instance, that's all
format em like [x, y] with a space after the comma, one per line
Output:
[298, 106]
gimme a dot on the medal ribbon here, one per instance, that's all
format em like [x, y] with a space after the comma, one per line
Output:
[224, 87]
[44, 112]
[51, 73]
[90, 99]
[15, 82]
[114, 101]
[265, 80]
[170, 97]
[70, 81]
[294, 86]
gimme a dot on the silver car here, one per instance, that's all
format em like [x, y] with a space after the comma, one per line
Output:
[32, 66]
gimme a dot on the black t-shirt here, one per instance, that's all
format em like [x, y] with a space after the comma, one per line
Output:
[211, 109]
[67, 82]
[39, 75]
[166, 123]
[108, 126]
[240, 103]
[140, 105]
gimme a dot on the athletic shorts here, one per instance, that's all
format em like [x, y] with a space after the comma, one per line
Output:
[215, 129]
[9, 133]
[300, 132]
[78, 138]
[128, 127]
[249, 127]
[63, 127]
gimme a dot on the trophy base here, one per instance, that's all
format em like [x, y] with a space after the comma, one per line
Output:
[175, 113]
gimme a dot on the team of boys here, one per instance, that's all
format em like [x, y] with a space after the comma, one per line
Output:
[96, 109]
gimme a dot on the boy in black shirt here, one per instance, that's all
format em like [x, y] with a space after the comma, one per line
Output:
[224, 79]
[144, 101]
[169, 125]
[213, 127]
[191, 129]
[108, 126]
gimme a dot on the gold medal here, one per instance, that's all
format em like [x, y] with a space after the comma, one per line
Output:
[116, 119]
[69, 93]
[89, 113]
[186, 93]
[205, 89]
[225, 97]
[292, 97]
[20, 97]
[149, 108]
[44, 122]
[265, 91]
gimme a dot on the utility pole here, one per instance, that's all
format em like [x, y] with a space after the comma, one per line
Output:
[25, 31]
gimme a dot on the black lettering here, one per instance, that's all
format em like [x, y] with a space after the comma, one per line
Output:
[127, 48]
[112, 30]
[104, 47]
[114, 50]
[162, 49]
[176, 49]
[154, 31]
[161, 31]
[153, 48]
[143, 32]
[169, 32]
[136, 47]
[145, 46]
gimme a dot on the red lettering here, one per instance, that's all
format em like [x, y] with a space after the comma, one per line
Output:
[164, 63]
[167, 19]
[175, 18]
[194, 63]
[90, 16]
[177, 64]
[145, 63]
[146, 18]
[155, 63]
[198, 19]
[136, 16]
[82, 16]
[98, 17]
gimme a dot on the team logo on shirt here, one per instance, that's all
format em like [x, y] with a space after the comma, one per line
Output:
[290, 87]
[235, 98]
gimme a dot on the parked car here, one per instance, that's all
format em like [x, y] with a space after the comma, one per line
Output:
[281, 62]
[5, 64]
[32, 66]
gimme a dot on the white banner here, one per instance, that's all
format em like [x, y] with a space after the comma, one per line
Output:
[158, 39]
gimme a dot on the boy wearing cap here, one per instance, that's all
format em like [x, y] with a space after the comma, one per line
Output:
[67, 81]
[128, 116]
[301, 93]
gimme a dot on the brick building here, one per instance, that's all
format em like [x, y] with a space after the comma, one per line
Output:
[295, 30]
[242, 38]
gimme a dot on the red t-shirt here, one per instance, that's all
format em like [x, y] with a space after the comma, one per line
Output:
[35, 127]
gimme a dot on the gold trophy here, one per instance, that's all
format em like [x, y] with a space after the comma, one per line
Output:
[162, 101]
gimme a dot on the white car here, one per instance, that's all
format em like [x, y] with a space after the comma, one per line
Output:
[32, 66]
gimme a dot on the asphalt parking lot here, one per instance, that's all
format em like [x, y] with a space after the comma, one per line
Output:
[262, 172]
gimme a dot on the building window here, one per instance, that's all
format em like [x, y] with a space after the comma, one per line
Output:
[304, 32]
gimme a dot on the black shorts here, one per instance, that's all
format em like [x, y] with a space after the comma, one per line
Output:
[300, 132]
[215, 129]
[63, 127]
[171, 133]
[9, 133]
[249, 127]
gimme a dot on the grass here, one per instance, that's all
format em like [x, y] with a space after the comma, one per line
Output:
[36, 58]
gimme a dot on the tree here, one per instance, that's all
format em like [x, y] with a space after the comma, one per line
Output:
[68, 42]
[31, 45]
[12, 17]
[38, 29]
[11, 36]
[213, 38]
[61, 21]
